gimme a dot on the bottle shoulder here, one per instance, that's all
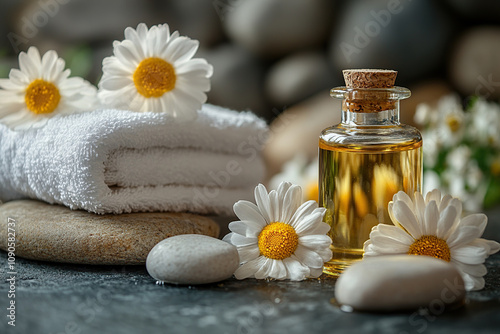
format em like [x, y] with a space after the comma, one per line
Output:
[379, 138]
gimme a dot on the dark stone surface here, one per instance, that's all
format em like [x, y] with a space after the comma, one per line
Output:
[57, 298]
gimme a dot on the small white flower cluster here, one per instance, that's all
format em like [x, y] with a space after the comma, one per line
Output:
[462, 149]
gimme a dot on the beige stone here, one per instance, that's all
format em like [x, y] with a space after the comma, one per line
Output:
[297, 130]
[56, 233]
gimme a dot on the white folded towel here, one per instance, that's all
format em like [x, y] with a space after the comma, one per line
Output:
[118, 161]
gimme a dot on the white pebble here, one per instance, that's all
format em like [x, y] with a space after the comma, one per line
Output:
[400, 282]
[192, 259]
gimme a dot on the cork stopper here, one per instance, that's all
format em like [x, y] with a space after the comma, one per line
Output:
[369, 78]
[368, 102]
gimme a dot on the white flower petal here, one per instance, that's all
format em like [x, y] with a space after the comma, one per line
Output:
[431, 218]
[308, 257]
[19, 78]
[307, 224]
[10, 109]
[114, 83]
[193, 82]
[127, 53]
[315, 272]
[292, 198]
[394, 232]
[455, 202]
[238, 227]
[181, 49]
[321, 228]
[304, 210]
[48, 64]
[387, 244]
[250, 268]
[185, 106]
[493, 245]
[278, 270]
[469, 254]
[195, 65]
[30, 63]
[280, 199]
[402, 196]
[419, 205]
[404, 215]
[446, 220]
[472, 283]
[240, 240]
[134, 37]
[249, 213]
[471, 269]
[248, 253]
[115, 68]
[462, 236]
[274, 212]
[264, 270]
[434, 195]
[326, 254]
[479, 220]
[315, 242]
[295, 270]
[227, 238]
[263, 202]
[369, 250]
[60, 76]
[246, 228]
[445, 201]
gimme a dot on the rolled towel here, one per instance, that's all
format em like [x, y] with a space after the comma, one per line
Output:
[118, 161]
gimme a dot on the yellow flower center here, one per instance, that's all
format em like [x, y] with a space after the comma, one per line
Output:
[154, 77]
[453, 123]
[278, 241]
[42, 97]
[495, 167]
[431, 246]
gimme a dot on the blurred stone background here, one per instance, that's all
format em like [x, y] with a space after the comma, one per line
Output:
[282, 56]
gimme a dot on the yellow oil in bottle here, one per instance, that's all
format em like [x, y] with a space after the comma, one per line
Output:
[356, 184]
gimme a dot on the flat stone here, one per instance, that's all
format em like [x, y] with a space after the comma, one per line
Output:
[376, 34]
[400, 282]
[474, 68]
[274, 28]
[298, 77]
[55, 233]
[238, 80]
[307, 118]
[192, 259]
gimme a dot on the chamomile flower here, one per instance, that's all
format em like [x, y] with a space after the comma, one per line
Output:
[434, 227]
[280, 238]
[41, 89]
[153, 70]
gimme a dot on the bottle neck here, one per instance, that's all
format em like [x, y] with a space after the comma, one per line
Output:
[387, 117]
[370, 106]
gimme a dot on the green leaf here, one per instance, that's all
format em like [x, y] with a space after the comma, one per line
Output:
[79, 60]
[492, 197]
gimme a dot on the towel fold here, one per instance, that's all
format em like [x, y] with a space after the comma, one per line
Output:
[117, 161]
[157, 165]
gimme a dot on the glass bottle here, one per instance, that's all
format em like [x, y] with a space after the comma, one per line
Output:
[363, 162]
